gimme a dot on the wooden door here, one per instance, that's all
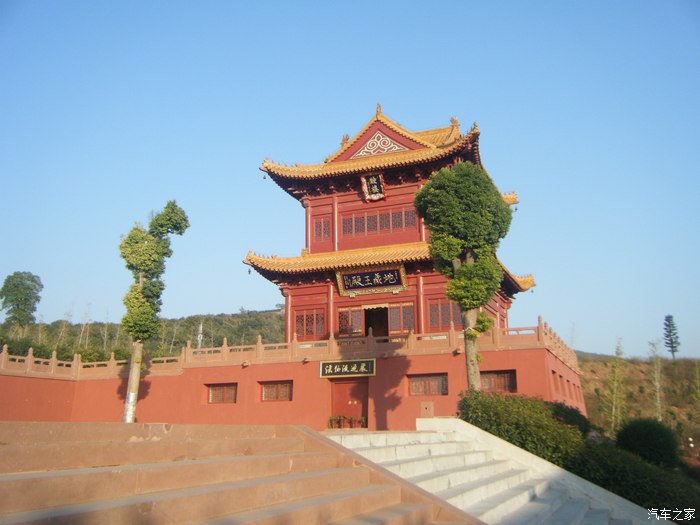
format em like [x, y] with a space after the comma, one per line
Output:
[349, 398]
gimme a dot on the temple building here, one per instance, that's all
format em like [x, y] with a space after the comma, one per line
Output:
[365, 272]
[371, 339]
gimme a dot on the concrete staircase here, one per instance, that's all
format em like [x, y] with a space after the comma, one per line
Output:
[491, 480]
[153, 474]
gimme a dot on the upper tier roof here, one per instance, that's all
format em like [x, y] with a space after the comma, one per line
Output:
[384, 144]
[363, 257]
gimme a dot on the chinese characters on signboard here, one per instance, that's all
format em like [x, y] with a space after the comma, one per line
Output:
[373, 187]
[355, 368]
[375, 280]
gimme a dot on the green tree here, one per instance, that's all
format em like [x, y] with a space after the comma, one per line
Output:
[467, 217]
[671, 341]
[145, 252]
[20, 295]
[614, 399]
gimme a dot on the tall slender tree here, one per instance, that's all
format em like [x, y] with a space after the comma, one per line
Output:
[671, 341]
[615, 396]
[145, 252]
[467, 217]
[656, 378]
[19, 296]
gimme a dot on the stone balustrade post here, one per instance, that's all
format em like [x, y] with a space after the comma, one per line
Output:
[540, 329]
[294, 345]
[52, 362]
[332, 345]
[452, 336]
[259, 346]
[29, 360]
[76, 366]
[3, 356]
[411, 340]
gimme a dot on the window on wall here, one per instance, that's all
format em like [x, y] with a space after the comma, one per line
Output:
[222, 393]
[427, 385]
[310, 324]
[499, 381]
[351, 321]
[401, 318]
[371, 222]
[322, 229]
[442, 312]
[276, 391]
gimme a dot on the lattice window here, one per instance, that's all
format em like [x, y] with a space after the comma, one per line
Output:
[409, 218]
[276, 391]
[222, 393]
[427, 385]
[384, 223]
[441, 312]
[371, 223]
[499, 381]
[310, 324]
[350, 321]
[322, 229]
[400, 318]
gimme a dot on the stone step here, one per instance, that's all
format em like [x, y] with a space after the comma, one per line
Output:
[198, 503]
[439, 480]
[33, 456]
[319, 510]
[382, 454]
[571, 512]
[403, 514]
[57, 432]
[502, 503]
[416, 466]
[365, 439]
[477, 490]
[598, 517]
[39, 490]
[536, 510]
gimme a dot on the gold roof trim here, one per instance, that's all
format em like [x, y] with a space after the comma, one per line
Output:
[376, 162]
[394, 253]
[362, 257]
[510, 198]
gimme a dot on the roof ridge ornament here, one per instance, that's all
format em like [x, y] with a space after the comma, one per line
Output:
[344, 140]
[379, 109]
[454, 122]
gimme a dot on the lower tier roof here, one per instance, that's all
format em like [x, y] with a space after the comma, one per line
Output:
[308, 263]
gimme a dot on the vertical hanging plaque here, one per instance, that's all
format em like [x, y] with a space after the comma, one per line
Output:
[373, 187]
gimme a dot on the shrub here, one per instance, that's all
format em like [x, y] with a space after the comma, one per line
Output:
[570, 416]
[527, 423]
[632, 478]
[651, 440]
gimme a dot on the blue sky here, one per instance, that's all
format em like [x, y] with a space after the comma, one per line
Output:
[589, 110]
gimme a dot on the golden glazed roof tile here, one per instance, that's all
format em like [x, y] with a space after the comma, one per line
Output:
[376, 162]
[363, 257]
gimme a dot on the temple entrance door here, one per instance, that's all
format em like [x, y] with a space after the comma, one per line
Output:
[349, 398]
[378, 319]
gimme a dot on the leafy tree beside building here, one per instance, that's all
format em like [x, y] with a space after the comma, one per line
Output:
[467, 217]
[19, 297]
[145, 252]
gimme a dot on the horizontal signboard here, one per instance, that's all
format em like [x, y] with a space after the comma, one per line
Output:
[354, 368]
[371, 280]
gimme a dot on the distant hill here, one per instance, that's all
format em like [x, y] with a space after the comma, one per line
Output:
[680, 382]
[95, 341]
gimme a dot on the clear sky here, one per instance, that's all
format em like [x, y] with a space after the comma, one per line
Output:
[589, 110]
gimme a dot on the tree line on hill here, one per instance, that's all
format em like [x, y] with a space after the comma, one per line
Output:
[94, 341]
